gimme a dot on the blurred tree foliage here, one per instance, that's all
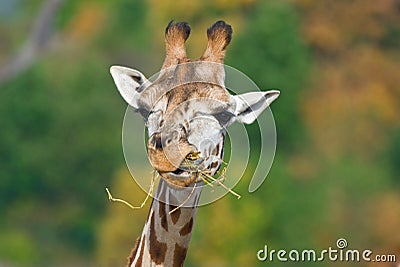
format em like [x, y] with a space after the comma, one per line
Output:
[271, 38]
[60, 147]
[336, 172]
[60, 137]
[356, 75]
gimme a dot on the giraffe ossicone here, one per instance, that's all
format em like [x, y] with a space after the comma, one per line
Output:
[186, 110]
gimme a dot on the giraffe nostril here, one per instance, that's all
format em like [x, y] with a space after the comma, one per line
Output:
[155, 141]
[158, 143]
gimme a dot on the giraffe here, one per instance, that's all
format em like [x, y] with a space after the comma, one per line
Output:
[186, 110]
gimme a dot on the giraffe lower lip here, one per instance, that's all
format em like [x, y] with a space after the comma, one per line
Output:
[183, 179]
[182, 176]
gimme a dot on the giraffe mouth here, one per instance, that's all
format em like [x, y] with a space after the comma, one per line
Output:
[178, 171]
[186, 173]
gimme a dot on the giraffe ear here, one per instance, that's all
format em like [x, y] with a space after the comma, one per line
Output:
[128, 82]
[250, 105]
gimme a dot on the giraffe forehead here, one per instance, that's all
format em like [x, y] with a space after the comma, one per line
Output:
[186, 81]
[197, 96]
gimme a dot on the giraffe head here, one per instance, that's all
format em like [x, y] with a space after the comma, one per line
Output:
[187, 108]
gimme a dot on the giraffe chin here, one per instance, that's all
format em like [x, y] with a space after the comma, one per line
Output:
[183, 179]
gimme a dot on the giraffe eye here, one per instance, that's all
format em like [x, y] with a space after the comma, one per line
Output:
[144, 112]
[223, 117]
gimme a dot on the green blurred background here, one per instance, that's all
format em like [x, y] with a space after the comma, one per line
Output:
[337, 165]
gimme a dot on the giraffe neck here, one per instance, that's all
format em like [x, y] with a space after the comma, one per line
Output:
[165, 237]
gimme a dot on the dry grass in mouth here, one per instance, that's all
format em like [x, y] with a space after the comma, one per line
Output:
[188, 165]
[205, 175]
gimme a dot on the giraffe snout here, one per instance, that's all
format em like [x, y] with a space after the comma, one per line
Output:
[167, 153]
